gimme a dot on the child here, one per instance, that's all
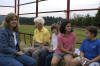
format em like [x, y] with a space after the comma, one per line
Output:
[66, 39]
[90, 49]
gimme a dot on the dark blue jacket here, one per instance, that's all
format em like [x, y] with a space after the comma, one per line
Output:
[7, 46]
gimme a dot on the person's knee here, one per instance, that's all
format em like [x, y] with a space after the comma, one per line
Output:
[54, 63]
[43, 55]
[75, 62]
[20, 64]
[14, 63]
[94, 64]
[68, 59]
[49, 58]
[32, 63]
[28, 52]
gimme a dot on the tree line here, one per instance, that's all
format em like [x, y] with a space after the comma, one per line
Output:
[78, 20]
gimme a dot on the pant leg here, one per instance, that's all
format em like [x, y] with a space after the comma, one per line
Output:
[48, 60]
[26, 60]
[37, 52]
[43, 58]
[28, 52]
[94, 64]
[9, 61]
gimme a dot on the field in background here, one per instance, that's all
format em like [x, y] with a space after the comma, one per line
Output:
[30, 29]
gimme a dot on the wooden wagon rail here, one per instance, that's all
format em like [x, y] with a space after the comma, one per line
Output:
[27, 34]
[30, 38]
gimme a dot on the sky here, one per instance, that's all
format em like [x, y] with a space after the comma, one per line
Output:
[52, 5]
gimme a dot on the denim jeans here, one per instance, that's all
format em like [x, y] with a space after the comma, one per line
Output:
[20, 60]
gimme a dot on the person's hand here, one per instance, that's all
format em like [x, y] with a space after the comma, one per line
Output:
[40, 47]
[20, 53]
[50, 50]
[82, 60]
[75, 55]
[33, 49]
[87, 63]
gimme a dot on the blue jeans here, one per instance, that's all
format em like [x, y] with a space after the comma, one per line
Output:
[48, 59]
[22, 60]
[43, 58]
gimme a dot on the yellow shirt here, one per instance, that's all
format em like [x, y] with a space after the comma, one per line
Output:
[41, 36]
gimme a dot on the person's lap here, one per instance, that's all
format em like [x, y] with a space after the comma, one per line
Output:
[77, 60]
[9, 61]
[22, 60]
[48, 59]
[57, 57]
[68, 58]
[26, 60]
[43, 58]
[61, 56]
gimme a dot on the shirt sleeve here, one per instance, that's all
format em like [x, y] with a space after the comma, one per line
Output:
[4, 47]
[46, 37]
[98, 47]
[60, 42]
[82, 47]
[52, 40]
[74, 39]
[34, 35]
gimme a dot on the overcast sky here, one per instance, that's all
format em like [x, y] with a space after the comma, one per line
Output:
[52, 5]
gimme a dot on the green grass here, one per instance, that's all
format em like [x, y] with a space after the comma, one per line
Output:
[27, 28]
[30, 29]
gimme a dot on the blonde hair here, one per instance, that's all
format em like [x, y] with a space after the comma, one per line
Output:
[39, 20]
[8, 19]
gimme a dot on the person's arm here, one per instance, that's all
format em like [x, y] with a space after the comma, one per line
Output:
[94, 60]
[64, 50]
[73, 48]
[82, 50]
[98, 57]
[46, 38]
[33, 44]
[4, 47]
[74, 42]
[34, 40]
[33, 48]
[82, 55]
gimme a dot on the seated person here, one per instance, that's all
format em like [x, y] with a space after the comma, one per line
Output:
[66, 40]
[89, 50]
[41, 39]
[10, 53]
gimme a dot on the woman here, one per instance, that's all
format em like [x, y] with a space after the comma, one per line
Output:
[10, 54]
[66, 39]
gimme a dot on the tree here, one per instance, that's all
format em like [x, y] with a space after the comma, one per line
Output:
[97, 18]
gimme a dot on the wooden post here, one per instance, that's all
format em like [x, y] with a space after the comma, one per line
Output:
[36, 8]
[15, 6]
[18, 7]
[68, 10]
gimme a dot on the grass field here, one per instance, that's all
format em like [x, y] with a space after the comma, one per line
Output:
[30, 29]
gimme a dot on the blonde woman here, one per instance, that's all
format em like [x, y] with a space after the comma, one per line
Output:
[10, 54]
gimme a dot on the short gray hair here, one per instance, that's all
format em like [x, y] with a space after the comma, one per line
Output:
[39, 20]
